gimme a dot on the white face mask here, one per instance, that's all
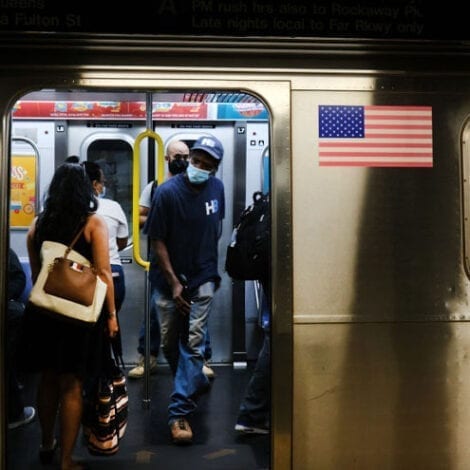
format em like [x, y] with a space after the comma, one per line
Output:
[196, 175]
[102, 194]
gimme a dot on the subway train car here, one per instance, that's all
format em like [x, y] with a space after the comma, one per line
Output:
[109, 128]
[364, 150]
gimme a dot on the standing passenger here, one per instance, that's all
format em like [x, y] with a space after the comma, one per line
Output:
[184, 225]
[177, 154]
[66, 353]
[118, 229]
[254, 412]
[177, 157]
[18, 414]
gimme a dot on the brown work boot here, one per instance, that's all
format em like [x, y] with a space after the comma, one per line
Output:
[181, 431]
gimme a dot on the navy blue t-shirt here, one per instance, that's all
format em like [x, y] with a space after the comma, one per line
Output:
[188, 222]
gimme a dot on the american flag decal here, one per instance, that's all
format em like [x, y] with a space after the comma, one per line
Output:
[378, 136]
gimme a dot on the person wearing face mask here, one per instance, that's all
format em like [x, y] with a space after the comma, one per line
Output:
[118, 228]
[176, 156]
[184, 226]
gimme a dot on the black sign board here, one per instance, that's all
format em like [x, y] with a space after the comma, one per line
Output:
[382, 19]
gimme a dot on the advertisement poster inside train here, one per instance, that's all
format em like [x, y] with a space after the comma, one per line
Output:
[23, 191]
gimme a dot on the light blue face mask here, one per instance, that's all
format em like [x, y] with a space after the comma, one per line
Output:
[102, 194]
[196, 175]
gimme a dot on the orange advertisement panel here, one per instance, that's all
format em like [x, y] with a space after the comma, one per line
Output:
[107, 110]
[22, 191]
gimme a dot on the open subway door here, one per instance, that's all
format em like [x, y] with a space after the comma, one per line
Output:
[246, 140]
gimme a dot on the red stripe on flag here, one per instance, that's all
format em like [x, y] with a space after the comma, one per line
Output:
[379, 164]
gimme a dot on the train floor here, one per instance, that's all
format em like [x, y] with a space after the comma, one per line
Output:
[147, 442]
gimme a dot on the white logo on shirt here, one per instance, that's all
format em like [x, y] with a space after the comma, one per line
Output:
[212, 207]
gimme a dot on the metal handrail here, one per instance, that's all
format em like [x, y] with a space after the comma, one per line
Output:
[136, 188]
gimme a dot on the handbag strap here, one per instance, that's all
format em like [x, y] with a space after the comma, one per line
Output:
[69, 248]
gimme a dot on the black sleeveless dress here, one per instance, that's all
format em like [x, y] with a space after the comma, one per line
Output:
[49, 342]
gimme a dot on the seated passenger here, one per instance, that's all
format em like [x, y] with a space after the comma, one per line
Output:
[18, 414]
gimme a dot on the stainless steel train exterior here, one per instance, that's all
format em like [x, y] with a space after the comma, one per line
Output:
[370, 333]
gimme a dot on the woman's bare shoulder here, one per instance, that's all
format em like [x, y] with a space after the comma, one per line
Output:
[95, 220]
[95, 226]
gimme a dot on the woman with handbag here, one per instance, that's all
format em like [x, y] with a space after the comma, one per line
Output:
[118, 229]
[64, 351]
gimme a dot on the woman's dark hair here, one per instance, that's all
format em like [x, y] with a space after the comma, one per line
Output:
[69, 201]
[93, 170]
[72, 159]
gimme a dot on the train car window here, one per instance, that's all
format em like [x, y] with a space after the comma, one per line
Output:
[115, 158]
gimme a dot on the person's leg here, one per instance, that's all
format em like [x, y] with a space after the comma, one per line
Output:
[119, 285]
[255, 406]
[155, 335]
[207, 346]
[15, 403]
[170, 325]
[70, 417]
[206, 369]
[189, 379]
[48, 405]
[141, 345]
[139, 370]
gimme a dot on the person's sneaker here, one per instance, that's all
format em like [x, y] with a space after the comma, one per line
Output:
[28, 415]
[138, 371]
[208, 371]
[247, 429]
[181, 432]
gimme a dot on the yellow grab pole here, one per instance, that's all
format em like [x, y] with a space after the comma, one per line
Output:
[136, 235]
[136, 188]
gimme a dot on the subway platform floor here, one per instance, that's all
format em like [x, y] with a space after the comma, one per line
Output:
[147, 442]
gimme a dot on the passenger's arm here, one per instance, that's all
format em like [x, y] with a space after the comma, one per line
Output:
[143, 214]
[122, 243]
[165, 265]
[122, 231]
[96, 232]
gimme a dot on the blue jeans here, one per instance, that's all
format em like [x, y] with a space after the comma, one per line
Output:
[155, 336]
[255, 407]
[183, 344]
[119, 285]
[207, 346]
[154, 329]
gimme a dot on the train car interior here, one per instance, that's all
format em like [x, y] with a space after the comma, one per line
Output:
[49, 125]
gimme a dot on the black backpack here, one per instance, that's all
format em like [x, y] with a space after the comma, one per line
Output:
[152, 191]
[249, 250]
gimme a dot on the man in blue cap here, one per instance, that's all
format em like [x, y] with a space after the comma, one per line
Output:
[184, 225]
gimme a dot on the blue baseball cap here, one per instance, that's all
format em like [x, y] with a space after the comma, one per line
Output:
[210, 145]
